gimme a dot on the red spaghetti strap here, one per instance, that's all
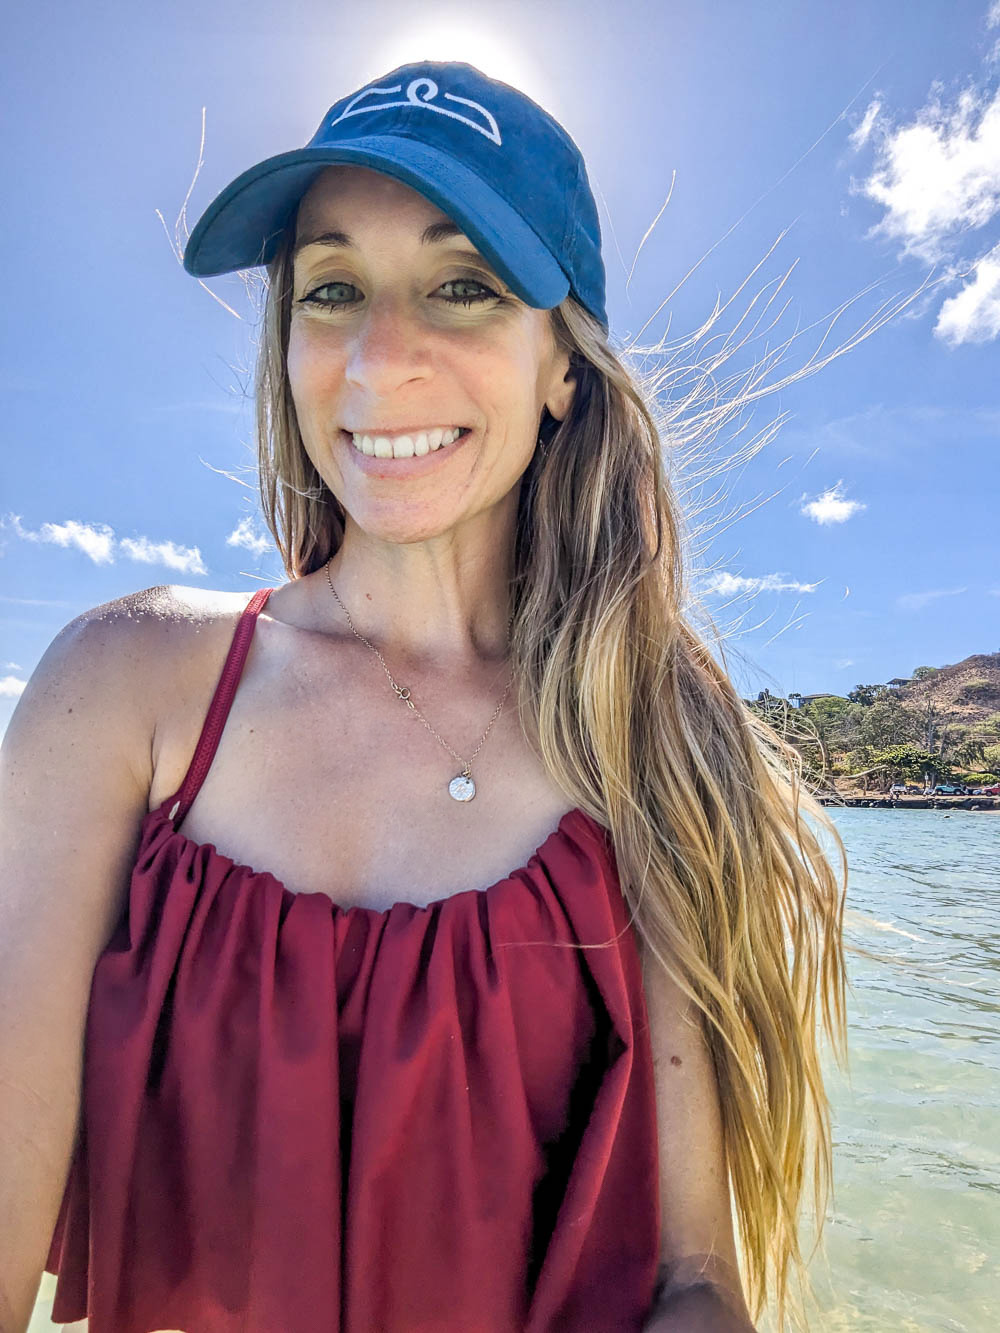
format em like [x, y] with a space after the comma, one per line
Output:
[218, 710]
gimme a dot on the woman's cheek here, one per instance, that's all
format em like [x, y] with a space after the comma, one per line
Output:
[301, 346]
[310, 373]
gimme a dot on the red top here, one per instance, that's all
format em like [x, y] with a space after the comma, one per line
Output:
[301, 1118]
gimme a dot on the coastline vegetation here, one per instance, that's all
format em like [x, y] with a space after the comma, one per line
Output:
[941, 724]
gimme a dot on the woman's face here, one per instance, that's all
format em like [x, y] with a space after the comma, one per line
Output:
[400, 332]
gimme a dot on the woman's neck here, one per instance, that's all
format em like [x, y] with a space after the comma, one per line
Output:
[444, 601]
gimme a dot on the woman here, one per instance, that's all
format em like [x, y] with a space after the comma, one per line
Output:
[326, 1079]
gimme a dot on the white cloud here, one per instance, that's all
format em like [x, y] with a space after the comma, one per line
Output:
[973, 314]
[843, 663]
[831, 507]
[244, 535]
[731, 584]
[98, 542]
[916, 601]
[185, 559]
[93, 539]
[11, 687]
[936, 176]
[860, 136]
[11, 666]
[940, 174]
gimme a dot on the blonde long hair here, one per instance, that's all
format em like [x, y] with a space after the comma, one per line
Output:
[730, 889]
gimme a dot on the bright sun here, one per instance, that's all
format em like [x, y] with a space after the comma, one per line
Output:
[470, 42]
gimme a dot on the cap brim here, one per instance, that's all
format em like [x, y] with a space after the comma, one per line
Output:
[241, 228]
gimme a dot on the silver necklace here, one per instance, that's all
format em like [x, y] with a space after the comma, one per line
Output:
[461, 787]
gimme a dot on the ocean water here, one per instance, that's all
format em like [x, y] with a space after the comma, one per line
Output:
[912, 1241]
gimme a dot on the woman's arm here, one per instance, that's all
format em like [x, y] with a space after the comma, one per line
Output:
[699, 1309]
[700, 1289]
[75, 772]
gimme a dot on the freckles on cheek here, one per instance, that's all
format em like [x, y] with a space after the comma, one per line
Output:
[293, 364]
[302, 360]
[313, 376]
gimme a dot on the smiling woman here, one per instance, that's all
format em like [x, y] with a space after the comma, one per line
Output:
[318, 1058]
[448, 390]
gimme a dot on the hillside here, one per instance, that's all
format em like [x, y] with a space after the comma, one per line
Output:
[940, 724]
[967, 693]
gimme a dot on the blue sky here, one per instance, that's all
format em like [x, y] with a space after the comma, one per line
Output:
[859, 543]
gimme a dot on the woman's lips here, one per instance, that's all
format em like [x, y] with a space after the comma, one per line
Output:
[400, 469]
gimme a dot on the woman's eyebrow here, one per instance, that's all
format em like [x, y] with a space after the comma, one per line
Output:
[432, 235]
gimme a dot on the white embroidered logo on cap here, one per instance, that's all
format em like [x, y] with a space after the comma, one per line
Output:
[419, 93]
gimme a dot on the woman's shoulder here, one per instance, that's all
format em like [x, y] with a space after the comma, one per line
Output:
[106, 689]
[127, 667]
[166, 606]
[141, 643]
[156, 620]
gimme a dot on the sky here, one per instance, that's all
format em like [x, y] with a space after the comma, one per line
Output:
[814, 155]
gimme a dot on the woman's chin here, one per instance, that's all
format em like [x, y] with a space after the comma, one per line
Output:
[410, 525]
[406, 529]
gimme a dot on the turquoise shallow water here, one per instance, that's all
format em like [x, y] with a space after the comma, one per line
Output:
[913, 1234]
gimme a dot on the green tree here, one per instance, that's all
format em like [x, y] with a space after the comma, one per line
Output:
[969, 751]
[923, 673]
[820, 725]
[907, 763]
[928, 721]
[886, 723]
[868, 694]
[880, 767]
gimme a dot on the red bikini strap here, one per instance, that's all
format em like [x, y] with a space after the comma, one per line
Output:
[218, 710]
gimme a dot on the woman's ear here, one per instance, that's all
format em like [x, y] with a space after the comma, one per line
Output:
[563, 387]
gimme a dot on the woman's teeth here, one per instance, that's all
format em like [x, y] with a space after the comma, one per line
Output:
[406, 446]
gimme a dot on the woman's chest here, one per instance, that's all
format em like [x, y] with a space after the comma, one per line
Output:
[346, 793]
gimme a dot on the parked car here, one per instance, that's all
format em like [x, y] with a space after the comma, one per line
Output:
[987, 791]
[949, 789]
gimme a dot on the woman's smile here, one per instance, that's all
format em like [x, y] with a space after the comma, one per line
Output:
[410, 454]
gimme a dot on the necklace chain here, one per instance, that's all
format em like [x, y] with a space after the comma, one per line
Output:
[403, 693]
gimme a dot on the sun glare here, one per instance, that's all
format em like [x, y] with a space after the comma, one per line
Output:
[473, 43]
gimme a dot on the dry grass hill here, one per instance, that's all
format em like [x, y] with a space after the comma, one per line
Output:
[968, 692]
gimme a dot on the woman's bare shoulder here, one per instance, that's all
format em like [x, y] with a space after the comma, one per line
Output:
[166, 607]
[131, 653]
[143, 628]
[124, 670]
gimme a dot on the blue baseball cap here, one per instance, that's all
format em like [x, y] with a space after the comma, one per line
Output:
[487, 155]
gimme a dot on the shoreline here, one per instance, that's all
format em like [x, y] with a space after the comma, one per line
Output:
[977, 804]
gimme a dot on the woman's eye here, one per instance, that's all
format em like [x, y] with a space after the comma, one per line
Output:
[315, 297]
[484, 294]
[329, 295]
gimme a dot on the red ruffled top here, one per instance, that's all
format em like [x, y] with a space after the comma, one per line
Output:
[301, 1118]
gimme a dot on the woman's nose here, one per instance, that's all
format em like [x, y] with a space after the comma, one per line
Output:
[388, 350]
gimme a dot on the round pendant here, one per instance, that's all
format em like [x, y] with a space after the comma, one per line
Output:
[461, 788]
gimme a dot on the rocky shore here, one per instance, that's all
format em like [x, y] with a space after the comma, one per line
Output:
[876, 802]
